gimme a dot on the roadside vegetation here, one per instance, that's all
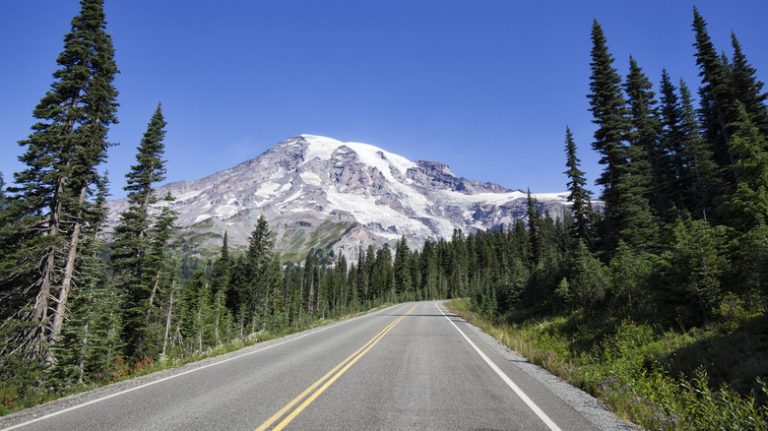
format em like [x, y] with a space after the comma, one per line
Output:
[656, 379]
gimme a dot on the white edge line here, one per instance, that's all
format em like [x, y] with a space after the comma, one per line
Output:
[519, 392]
[154, 382]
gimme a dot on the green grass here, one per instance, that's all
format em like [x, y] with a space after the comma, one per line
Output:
[702, 379]
[14, 398]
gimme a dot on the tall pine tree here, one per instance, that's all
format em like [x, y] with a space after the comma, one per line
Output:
[579, 195]
[641, 179]
[717, 110]
[131, 239]
[609, 110]
[66, 145]
[748, 89]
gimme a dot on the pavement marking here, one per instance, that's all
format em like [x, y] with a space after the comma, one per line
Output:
[522, 395]
[339, 369]
[306, 392]
[154, 382]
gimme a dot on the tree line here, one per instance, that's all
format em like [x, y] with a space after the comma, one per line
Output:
[681, 236]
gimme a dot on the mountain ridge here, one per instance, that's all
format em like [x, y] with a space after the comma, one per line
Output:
[320, 193]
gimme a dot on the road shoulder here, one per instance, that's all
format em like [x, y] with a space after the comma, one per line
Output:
[583, 403]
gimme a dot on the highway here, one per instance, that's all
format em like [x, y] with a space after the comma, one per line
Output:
[412, 366]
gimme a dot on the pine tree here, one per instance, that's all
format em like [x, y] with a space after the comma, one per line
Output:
[674, 178]
[222, 268]
[89, 344]
[702, 174]
[401, 271]
[66, 145]
[579, 195]
[260, 245]
[748, 206]
[717, 103]
[159, 241]
[641, 178]
[748, 89]
[534, 229]
[131, 236]
[609, 110]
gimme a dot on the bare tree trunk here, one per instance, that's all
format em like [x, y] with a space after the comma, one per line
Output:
[81, 362]
[69, 271]
[36, 336]
[152, 295]
[169, 317]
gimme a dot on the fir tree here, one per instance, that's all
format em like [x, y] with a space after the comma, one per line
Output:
[258, 257]
[222, 268]
[66, 145]
[579, 195]
[674, 178]
[534, 228]
[641, 178]
[748, 89]
[159, 241]
[401, 270]
[702, 174]
[131, 236]
[717, 103]
[609, 110]
[748, 206]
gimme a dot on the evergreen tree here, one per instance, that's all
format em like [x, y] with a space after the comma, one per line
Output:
[130, 243]
[674, 178]
[579, 195]
[158, 243]
[258, 258]
[534, 228]
[748, 89]
[401, 271]
[702, 174]
[222, 268]
[609, 110]
[641, 178]
[89, 344]
[748, 206]
[62, 153]
[717, 103]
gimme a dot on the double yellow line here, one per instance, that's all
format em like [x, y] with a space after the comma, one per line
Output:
[324, 382]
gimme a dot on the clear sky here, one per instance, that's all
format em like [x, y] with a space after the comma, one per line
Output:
[485, 86]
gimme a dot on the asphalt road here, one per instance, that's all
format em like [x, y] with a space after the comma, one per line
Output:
[409, 367]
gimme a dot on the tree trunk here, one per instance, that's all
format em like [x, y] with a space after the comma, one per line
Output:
[169, 318]
[69, 270]
[36, 336]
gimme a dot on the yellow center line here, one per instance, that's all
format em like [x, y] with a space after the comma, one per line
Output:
[346, 364]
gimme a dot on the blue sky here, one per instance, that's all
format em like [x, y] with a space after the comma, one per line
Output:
[485, 86]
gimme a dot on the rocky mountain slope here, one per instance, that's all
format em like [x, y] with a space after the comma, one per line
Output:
[317, 192]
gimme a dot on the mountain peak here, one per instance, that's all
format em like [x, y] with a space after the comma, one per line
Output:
[320, 192]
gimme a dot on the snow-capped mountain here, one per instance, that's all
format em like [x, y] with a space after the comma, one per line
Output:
[317, 192]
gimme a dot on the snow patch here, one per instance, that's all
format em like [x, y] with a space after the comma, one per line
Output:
[268, 189]
[187, 195]
[311, 178]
